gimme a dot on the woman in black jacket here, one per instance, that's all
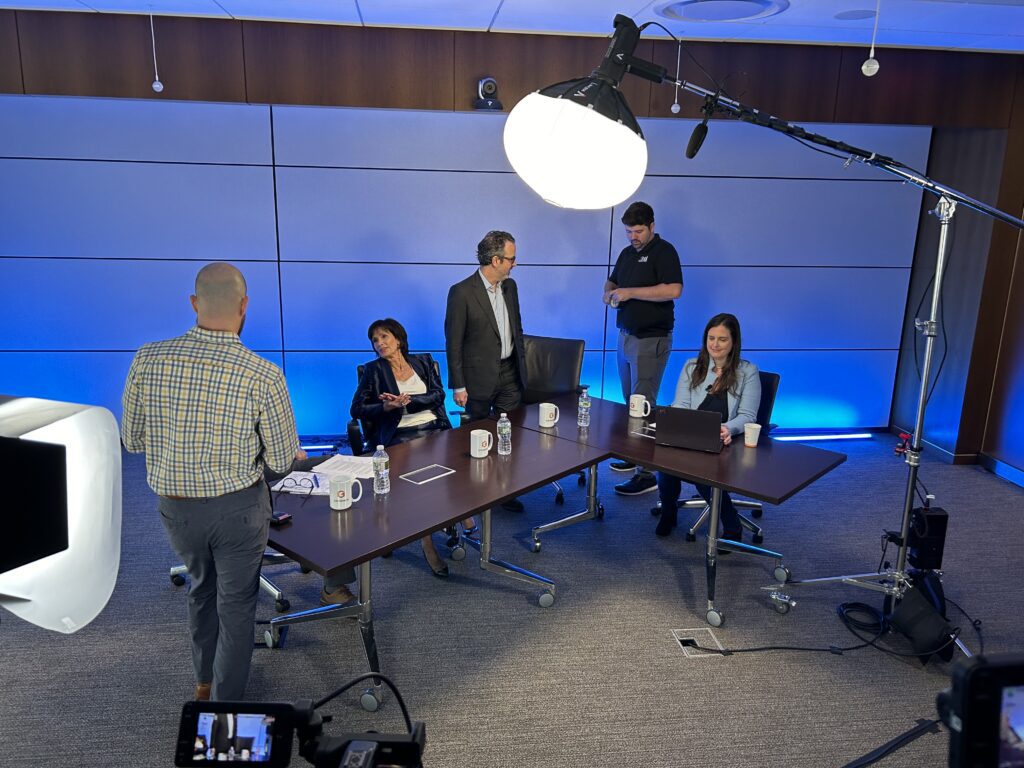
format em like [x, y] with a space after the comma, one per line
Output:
[400, 398]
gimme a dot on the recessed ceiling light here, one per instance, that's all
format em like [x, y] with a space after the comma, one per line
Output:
[720, 10]
[855, 15]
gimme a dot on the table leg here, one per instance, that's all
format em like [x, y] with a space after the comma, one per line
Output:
[590, 512]
[493, 565]
[714, 617]
[361, 610]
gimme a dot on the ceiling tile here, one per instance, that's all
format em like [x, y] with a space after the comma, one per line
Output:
[322, 11]
[444, 14]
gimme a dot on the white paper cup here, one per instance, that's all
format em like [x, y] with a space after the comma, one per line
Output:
[548, 414]
[751, 432]
[479, 443]
[639, 406]
[341, 491]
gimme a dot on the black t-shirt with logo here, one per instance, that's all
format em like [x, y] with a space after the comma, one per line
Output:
[656, 263]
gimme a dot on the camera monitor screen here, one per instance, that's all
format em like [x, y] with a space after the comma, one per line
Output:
[237, 737]
[35, 512]
[1011, 727]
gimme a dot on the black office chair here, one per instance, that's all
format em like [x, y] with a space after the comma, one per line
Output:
[769, 390]
[553, 367]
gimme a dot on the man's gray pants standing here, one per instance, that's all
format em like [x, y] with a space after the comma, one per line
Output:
[642, 366]
[221, 541]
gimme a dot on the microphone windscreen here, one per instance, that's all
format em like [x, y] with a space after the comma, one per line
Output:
[696, 139]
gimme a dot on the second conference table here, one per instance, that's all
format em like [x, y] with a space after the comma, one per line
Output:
[327, 541]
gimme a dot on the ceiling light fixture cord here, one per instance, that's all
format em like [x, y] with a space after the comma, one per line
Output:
[157, 85]
[874, 33]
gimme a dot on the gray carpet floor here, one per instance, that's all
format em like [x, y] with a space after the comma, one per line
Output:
[596, 680]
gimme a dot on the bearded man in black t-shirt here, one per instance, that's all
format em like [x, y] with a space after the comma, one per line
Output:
[642, 287]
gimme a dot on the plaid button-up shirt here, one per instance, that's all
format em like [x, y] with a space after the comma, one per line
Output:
[209, 414]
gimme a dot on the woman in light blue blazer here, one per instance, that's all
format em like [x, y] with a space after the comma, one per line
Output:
[716, 380]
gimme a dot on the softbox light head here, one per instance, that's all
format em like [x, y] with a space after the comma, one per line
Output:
[577, 144]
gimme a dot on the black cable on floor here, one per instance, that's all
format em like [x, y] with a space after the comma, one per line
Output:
[923, 726]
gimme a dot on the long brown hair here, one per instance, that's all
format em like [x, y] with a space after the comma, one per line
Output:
[727, 379]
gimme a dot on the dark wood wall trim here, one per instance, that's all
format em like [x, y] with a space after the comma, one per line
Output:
[100, 54]
[10, 58]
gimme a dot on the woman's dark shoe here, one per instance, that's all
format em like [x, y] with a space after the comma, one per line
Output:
[666, 522]
[437, 566]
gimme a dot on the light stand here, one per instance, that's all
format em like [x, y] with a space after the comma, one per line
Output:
[618, 61]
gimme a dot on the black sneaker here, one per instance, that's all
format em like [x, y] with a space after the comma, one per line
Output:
[636, 485]
[622, 466]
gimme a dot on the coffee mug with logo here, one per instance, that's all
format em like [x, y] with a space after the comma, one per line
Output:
[341, 491]
[479, 443]
[639, 406]
[548, 414]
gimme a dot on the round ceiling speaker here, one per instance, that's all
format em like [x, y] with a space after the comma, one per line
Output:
[720, 10]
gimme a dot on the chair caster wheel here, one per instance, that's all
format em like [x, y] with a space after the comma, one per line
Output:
[757, 513]
[600, 512]
[758, 538]
[715, 618]
[274, 638]
[304, 569]
[581, 480]
[781, 603]
[386, 554]
[691, 536]
[546, 600]
[458, 553]
[369, 701]
[178, 580]
[536, 545]
[559, 498]
[656, 511]
[282, 605]
[782, 574]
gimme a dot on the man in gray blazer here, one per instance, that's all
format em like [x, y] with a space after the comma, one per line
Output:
[483, 333]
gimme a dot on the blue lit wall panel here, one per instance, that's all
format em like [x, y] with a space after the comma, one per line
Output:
[818, 390]
[424, 216]
[92, 304]
[793, 308]
[127, 129]
[743, 150]
[783, 221]
[388, 138]
[330, 306]
[91, 378]
[133, 210]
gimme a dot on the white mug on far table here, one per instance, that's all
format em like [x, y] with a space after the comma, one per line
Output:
[548, 414]
[341, 491]
[639, 406]
[479, 443]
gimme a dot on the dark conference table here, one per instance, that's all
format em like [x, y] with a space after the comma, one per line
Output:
[772, 472]
[327, 541]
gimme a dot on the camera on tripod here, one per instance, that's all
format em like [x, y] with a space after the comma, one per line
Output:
[213, 732]
[984, 711]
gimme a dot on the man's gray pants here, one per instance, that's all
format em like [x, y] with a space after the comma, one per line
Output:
[221, 541]
[642, 366]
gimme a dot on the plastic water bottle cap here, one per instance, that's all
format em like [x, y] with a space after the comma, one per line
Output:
[380, 447]
[504, 415]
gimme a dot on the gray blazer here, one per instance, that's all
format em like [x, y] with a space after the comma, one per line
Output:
[472, 340]
[743, 403]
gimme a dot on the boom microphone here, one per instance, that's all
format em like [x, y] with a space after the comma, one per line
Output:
[696, 139]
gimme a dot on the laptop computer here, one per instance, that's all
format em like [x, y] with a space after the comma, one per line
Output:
[689, 428]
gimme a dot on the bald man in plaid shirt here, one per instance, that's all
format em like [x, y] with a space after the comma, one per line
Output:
[210, 414]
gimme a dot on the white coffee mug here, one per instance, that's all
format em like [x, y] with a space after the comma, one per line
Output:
[639, 406]
[479, 443]
[548, 414]
[342, 491]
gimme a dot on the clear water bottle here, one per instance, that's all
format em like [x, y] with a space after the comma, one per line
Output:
[504, 436]
[583, 408]
[381, 471]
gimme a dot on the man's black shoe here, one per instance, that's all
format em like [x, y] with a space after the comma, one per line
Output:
[512, 505]
[636, 485]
